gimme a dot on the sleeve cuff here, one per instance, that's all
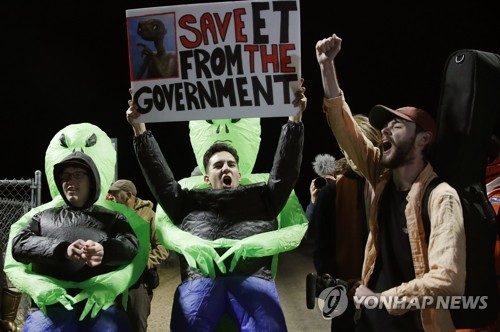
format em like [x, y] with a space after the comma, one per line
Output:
[335, 102]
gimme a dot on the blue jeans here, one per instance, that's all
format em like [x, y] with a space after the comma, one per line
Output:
[59, 319]
[251, 302]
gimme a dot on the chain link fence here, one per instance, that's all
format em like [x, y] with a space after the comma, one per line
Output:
[17, 197]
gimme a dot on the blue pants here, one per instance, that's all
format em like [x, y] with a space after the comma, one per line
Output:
[251, 302]
[59, 319]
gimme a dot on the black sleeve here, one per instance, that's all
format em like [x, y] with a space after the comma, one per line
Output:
[122, 246]
[165, 189]
[286, 165]
[324, 220]
[28, 246]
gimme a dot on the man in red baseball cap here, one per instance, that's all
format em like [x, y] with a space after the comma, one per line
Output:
[395, 152]
[381, 115]
[400, 268]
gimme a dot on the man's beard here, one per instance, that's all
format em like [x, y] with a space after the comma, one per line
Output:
[399, 156]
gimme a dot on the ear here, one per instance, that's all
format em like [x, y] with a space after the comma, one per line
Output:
[206, 179]
[425, 138]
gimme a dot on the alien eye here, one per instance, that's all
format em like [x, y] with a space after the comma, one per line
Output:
[210, 121]
[91, 141]
[62, 140]
[235, 120]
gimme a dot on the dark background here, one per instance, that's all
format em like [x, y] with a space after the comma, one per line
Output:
[66, 62]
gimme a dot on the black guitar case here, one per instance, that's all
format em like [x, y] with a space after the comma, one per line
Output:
[468, 115]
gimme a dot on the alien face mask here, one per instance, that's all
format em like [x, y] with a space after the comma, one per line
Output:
[242, 134]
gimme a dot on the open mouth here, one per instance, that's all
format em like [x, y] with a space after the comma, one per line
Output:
[227, 180]
[386, 146]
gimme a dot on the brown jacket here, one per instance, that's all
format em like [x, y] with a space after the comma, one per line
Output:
[158, 252]
[439, 267]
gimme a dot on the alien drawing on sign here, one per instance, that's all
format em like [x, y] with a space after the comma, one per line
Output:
[162, 63]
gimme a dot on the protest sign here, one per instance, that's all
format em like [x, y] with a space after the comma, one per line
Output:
[227, 60]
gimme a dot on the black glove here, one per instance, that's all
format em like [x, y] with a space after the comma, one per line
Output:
[316, 284]
[152, 278]
[325, 280]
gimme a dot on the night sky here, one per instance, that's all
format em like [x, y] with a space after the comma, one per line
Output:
[66, 62]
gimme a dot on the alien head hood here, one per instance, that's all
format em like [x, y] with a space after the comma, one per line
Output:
[92, 143]
[79, 159]
[242, 134]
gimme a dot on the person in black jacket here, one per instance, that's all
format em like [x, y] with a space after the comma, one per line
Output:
[247, 293]
[75, 242]
[341, 227]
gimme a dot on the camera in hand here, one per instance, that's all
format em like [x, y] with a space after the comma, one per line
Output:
[320, 182]
[317, 284]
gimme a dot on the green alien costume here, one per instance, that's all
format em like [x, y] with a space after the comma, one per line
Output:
[244, 136]
[100, 291]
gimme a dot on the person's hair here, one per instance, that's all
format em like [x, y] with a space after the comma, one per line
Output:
[341, 166]
[372, 133]
[219, 147]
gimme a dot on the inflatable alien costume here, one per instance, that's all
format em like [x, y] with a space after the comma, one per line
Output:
[99, 291]
[202, 254]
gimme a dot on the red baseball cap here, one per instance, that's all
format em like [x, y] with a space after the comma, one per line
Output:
[380, 115]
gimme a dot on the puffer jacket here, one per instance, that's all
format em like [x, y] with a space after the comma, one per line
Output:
[44, 239]
[225, 213]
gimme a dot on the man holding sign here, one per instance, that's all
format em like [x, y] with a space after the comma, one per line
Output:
[235, 60]
[228, 211]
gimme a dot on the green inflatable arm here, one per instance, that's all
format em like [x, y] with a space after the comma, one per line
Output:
[201, 253]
